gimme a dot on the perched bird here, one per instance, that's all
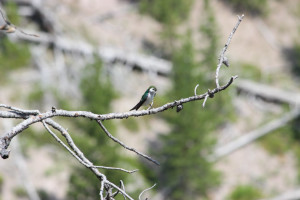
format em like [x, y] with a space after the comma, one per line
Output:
[147, 98]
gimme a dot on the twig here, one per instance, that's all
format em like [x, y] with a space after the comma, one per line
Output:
[146, 190]
[117, 192]
[203, 105]
[210, 95]
[62, 143]
[14, 115]
[195, 90]
[21, 165]
[109, 192]
[29, 34]
[123, 145]
[101, 190]
[21, 111]
[123, 188]
[73, 154]
[119, 189]
[114, 168]
[63, 132]
[122, 185]
[89, 165]
[221, 58]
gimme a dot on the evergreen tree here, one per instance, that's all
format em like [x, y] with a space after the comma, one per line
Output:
[170, 13]
[97, 96]
[185, 170]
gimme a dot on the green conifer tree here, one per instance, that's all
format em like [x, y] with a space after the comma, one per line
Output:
[97, 94]
[184, 169]
[170, 13]
[185, 172]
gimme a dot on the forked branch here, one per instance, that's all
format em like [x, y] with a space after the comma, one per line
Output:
[35, 116]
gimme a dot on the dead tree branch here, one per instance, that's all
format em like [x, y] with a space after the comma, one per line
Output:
[290, 195]
[82, 159]
[31, 117]
[75, 149]
[253, 135]
[222, 57]
[140, 196]
[34, 116]
[123, 145]
[269, 93]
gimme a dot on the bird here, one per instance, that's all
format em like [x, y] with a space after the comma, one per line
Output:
[147, 98]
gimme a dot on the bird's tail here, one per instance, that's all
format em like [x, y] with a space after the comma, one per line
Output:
[134, 108]
[137, 106]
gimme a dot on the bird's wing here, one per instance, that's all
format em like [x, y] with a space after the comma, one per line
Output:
[143, 99]
[145, 95]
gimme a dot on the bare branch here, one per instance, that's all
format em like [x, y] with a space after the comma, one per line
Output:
[3, 16]
[269, 93]
[89, 165]
[123, 145]
[29, 34]
[222, 55]
[74, 155]
[29, 120]
[289, 195]
[62, 143]
[195, 90]
[123, 187]
[9, 114]
[101, 190]
[246, 139]
[11, 28]
[146, 190]
[119, 189]
[79, 155]
[203, 105]
[117, 192]
[114, 168]
[34, 116]
[21, 111]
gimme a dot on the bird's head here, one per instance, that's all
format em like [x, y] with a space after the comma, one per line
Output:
[152, 89]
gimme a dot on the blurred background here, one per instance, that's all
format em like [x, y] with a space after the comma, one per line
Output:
[101, 56]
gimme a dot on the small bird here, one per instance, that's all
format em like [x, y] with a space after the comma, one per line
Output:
[147, 98]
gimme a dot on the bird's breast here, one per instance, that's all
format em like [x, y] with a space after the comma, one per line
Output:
[149, 99]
